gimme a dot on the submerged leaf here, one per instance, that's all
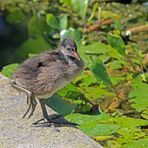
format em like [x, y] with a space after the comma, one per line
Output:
[61, 106]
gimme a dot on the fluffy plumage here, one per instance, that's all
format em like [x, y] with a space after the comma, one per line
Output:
[48, 72]
[41, 76]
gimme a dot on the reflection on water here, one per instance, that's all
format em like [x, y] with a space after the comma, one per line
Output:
[10, 37]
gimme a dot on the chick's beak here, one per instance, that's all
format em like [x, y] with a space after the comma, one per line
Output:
[75, 55]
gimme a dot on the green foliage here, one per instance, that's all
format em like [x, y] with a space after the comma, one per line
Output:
[15, 15]
[86, 80]
[61, 106]
[95, 7]
[9, 70]
[71, 33]
[36, 26]
[69, 88]
[99, 70]
[139, 96]
[95, 129]
[124, 129]
[113, 79]
[80, 6]
[95, 92]
[140, 143]
[52, 21]
[66, 2]
[64, 22]
[32, 45]
[117, 25]
[101, 50]
[116, 42]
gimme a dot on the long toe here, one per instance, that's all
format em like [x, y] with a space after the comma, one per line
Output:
[34, 104]
[27, 111]
[42, 121]
[38, 121]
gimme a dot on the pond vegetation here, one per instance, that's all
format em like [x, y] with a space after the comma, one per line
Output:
[109, 99]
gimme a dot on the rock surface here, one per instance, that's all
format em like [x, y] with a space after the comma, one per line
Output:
[17, 132]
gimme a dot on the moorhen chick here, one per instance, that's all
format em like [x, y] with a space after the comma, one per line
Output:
[43, 75]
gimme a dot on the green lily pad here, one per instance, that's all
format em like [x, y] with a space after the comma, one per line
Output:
[139, 95]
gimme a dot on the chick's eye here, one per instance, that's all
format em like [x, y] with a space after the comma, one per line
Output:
[70, 49]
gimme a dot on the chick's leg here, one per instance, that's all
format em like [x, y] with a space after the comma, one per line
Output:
[30, 99]
[44, 111]
[32, 105]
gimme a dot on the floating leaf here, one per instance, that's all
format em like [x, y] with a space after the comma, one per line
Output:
[127, 121]
[105, 125]
[9, 70]
[139, 95]
[140, 143]
[95, 92]
[95, 129]
[132, 133]
[82, 118]
[52, 21]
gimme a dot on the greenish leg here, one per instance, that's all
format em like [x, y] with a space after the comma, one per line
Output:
[30, 99]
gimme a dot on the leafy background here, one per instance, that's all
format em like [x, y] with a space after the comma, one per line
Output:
[109, 99]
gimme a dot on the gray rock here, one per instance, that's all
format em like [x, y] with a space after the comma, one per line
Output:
[20, 133]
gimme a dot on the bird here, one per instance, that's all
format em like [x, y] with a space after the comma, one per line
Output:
[41, 76]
